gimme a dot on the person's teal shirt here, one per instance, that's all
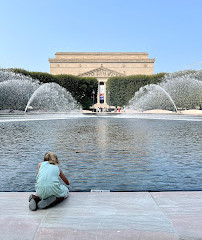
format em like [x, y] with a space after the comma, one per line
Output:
[48, 183]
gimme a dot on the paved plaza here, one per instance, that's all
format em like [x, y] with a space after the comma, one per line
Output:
[104, 215]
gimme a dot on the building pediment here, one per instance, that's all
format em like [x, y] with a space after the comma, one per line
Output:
[101, 72]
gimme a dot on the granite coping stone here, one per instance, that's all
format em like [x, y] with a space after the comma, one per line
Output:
[104, 215]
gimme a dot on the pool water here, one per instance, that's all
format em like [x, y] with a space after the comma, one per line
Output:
[142, 152]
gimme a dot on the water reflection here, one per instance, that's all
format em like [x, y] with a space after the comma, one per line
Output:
[120, 154]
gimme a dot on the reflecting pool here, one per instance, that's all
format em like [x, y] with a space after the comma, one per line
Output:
[135, 152]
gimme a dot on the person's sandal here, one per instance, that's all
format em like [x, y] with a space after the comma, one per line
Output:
[46, 202]
[30, 197]
[32, 205]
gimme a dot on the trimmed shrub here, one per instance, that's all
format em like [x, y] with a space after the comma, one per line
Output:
[121, 89]
[81, 88]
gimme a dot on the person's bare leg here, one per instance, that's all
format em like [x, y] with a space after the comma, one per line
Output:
[44, 203]
[57, 201]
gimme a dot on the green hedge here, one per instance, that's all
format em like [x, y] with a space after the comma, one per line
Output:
[121, 89]
[81, 88]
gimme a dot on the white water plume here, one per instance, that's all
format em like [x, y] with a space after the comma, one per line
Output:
[181, 90]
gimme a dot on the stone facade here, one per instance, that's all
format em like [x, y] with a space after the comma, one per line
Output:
[102, 66]
[123, 63]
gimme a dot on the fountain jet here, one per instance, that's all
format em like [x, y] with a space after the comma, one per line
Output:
[15, 89]
[182, 89]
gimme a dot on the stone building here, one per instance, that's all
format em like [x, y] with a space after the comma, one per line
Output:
[101, 65]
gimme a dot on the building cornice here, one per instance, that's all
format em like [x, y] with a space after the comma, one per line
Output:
[61, 60]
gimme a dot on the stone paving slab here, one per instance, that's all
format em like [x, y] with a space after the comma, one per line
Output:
[104, 215]
[184, 210]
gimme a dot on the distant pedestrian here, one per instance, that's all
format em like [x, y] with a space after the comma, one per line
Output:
[49, 190]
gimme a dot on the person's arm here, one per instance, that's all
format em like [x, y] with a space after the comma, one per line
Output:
[64, 179]
[39, 165]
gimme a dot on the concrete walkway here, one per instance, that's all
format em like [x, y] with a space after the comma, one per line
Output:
[115, 215]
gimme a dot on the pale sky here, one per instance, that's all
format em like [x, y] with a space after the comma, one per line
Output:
[169, 30]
